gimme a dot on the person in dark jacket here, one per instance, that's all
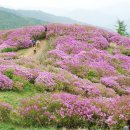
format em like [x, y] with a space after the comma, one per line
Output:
[33, 42]
[46, 29]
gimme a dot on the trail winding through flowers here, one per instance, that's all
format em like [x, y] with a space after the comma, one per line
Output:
[29, 52]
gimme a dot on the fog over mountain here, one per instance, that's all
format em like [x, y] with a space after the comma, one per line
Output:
[103, 13]
[10, 18]
[100, 17]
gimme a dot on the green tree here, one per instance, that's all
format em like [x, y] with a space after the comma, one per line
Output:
[121, 28]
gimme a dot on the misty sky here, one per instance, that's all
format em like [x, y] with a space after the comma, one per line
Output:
[61, 7]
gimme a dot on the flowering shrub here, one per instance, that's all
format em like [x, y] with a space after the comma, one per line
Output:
[90, 64]
[66, 110]
[122, 41]
[68, 83]
[115, 110]
[109, 81]
[39, 110]
[5, 110]
[5, 82]
[19, 71]
[60, 109]
[119, 83]
[9, 55]
[79, 60]
[21, 38]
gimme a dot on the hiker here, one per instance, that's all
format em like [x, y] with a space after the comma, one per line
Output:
[128, 125]
[35, 49]
[33, 42]
[46, 28]
[45, 31]
[37, 43]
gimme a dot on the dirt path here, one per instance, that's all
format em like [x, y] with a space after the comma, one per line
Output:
[29, 52]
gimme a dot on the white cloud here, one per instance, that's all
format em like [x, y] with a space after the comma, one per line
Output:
[86, 4]
[61, 6]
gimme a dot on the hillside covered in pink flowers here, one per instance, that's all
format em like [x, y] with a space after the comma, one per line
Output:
[81, 79]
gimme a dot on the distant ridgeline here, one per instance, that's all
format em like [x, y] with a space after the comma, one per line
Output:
[18, 18]
[10, 20]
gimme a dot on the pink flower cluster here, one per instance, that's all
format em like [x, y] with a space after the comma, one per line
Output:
[69, 107]
[72, 106]
[115, 109]
[11, 55]
[20, 38]
[5, 82]
[99, 38]
[78, 57]
[64, 106]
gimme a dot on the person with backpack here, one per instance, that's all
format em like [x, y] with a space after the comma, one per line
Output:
[128, 125]
[33, 42]
[38, 43]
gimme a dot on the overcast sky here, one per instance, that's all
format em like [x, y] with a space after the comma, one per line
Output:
[61, 7]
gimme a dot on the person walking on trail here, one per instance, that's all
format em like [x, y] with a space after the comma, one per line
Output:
[35, 50]
[46, 28]
[45, 31]
[33, 42]
[128, 125]
[38, 43]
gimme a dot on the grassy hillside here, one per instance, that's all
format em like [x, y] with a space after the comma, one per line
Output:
[10, 20]
[78, 78]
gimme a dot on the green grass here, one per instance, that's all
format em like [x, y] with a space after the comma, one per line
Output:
[14, 97]
[8, 50]
[43, 55]
[126, 52]
[110, 50]
[93, 76]
[5, 126]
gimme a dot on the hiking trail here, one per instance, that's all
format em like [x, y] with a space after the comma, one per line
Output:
[23, 53]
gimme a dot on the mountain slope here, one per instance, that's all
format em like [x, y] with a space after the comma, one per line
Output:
[77, 78]
[11, 20]
[46, 16]
[41, 16]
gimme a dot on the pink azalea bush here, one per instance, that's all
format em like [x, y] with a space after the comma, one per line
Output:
[115, 110]
[21, 38]
[11, 55]
[79, 59]
[5, 110]
[5, 82]
[18, 70]
[72, 84]
[59, 109]
[74, 111]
